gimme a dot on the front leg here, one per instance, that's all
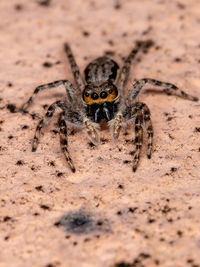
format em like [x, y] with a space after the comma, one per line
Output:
[68, 87]
[148, 126]
[43, 123]
[64, 141]
[138, 138]
[168, 88]
[139, 112]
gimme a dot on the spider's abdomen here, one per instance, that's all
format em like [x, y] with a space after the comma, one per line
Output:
[100, 70]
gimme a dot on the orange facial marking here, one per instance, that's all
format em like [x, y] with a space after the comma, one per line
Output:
[98, 99]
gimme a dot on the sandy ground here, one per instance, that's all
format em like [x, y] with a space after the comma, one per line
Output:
[104, 214]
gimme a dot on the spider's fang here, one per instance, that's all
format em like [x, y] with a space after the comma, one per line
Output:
[107, 113]
[96, 115]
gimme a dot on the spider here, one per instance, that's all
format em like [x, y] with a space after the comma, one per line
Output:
[101, 97]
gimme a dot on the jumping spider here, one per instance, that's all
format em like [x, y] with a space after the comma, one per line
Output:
[100, 97]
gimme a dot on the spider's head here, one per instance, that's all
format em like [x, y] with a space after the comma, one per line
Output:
[95, 93]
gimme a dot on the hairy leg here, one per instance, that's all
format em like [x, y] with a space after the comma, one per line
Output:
[138, 138]
[140, 112]
[43, 122]
[148, 126]
[64, 141]
[68, 86]
[125, 70]
[70, 115]
[74, 67]
[169, 88]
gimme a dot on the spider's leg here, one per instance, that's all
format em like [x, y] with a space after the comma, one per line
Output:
[138, 138]
[148, 125]
[65, 83]
[74, 67]
[64, 142]
[140, 112]
[167, 87]
[125, 70]
[43, 122]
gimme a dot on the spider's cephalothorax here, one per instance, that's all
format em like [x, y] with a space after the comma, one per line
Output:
[100, 97]
[100, 93]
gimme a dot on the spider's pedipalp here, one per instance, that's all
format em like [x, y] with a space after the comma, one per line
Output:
[64, 141]
[92, 130]
[115, 126]
[68, 86]
[74, 67]
[168, 88]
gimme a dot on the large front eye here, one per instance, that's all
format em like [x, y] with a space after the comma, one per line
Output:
[94, 96]
[103, 94]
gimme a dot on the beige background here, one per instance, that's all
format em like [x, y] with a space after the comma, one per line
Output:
[147, 218]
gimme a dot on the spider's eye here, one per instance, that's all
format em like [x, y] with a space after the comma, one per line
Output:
[94, 96]
[110, 91]
[87, 94]
[103, 94]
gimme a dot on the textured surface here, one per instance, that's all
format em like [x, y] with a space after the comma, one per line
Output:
[104, 215]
